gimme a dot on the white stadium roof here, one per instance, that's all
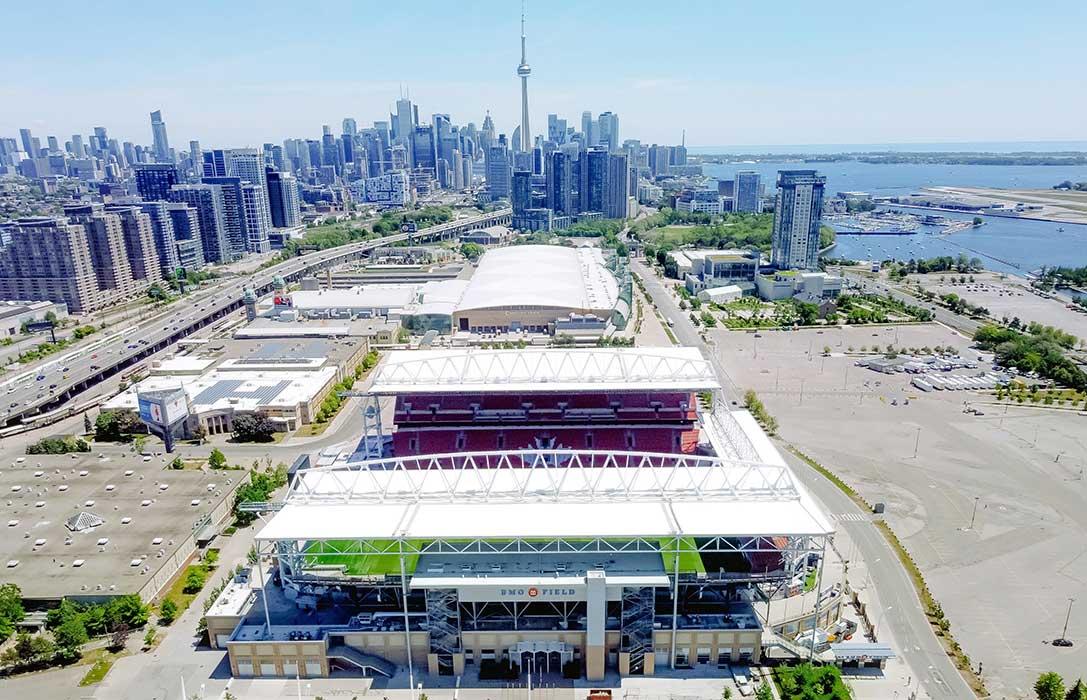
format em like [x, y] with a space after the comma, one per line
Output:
[548, 494]
[550, 370]
[541, 276]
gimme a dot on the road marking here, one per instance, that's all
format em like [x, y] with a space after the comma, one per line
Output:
[850, 517]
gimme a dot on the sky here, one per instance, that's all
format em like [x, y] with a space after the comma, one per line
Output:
[239, 73]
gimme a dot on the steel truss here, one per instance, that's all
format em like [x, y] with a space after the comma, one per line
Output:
[595, 368]
[544, 475]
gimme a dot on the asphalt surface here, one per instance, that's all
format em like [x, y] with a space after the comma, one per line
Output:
[56, 382]
[914, 639]
[964, 325]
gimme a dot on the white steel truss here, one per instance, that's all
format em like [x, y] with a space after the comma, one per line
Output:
[541, 370]
[542, 476]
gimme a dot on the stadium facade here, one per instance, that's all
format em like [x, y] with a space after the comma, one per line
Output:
[573, 512]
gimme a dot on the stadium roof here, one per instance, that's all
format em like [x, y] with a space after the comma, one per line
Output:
[541, 276]
[564, 494]
[544, 370]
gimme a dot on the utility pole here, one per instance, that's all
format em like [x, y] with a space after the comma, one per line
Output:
[975, 513]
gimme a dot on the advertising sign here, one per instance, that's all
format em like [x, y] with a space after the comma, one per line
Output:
[163, 408]
[38, 326]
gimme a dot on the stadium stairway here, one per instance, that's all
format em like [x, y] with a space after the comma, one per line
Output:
[369, 663]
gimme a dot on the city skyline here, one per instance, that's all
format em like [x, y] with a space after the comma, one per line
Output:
[792, 60]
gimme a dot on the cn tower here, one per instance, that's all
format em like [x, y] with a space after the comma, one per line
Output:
[524, 71]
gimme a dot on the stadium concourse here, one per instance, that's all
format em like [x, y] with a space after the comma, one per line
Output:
[554, 511]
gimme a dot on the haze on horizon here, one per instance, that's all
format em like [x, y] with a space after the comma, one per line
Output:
[750, 73]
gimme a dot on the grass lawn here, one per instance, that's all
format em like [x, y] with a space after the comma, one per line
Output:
[97, 672]
[312, 429]
[666, 235]
[176, 590]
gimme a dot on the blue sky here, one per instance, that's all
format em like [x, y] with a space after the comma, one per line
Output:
[237, 73]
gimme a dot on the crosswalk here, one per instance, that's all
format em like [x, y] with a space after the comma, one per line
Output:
[849, 517]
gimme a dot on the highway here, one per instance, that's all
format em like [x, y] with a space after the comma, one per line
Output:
[914, 639]
[55, 383]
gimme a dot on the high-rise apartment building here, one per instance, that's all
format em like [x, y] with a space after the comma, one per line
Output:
[798, 214]
[745, 191]
[162, 227]
[618, 185]
[561, 184]
[283, 199]
[154, 180]
[594, 179]
[208, 201]
[139, 241]
[49, 258]
[109, 253]
[521, 192]
[186, 223]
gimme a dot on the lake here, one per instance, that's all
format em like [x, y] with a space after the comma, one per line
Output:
[1008, 245]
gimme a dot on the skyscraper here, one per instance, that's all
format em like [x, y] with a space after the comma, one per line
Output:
[745, 191]
[523, 71]
[609, 130]
[186, 223]
[498, 170]
[404, 124]
[283, 199]
[154, 180]
[161, 147]
[594, 179]
[556, 129]
[560, 184]
[162, 227]
[208, 202]
[28, 142]
[521, 195]
[797, 216]
[618, 185]
[139, 241]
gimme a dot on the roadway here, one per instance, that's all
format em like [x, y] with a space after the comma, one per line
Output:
[57, 382]
[915, 641]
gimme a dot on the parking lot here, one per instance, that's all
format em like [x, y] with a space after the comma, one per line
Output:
[1005, 581]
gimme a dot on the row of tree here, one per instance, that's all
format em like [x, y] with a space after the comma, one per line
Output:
[1050, 686]
[1040, 350]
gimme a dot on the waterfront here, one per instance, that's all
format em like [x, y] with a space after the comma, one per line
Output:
[1004, 244]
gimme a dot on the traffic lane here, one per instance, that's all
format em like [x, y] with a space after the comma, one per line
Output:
[901, 609]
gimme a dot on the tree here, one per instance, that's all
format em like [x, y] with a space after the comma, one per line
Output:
[472, 251]
[1049, 686]
[217, 460]
[138, 443]
[11, 609]
[167, 612]
[119, 637]
[128, 609]
[200, 434]
[70, 636]
[177, 463]
[764, 693]
[253, 428]
[149, 637]
[1077, 692]
[87, 425]
[194, 580]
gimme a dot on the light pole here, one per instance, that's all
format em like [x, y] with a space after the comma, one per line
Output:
[975, 513]
[801, 392]
[917, 442]
[1064, 632]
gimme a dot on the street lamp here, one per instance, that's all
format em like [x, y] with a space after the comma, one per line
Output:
[1064, 641]
[975, 513]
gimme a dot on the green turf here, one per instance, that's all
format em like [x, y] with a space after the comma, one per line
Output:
[690, 562]
[367, 564]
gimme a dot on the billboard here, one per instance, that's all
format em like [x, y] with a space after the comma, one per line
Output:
[163, 408]
[37, 326]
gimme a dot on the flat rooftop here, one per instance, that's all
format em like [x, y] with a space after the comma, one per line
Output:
[65, 485]
[543, 370]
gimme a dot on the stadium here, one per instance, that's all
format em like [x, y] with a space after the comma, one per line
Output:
[565, 513]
